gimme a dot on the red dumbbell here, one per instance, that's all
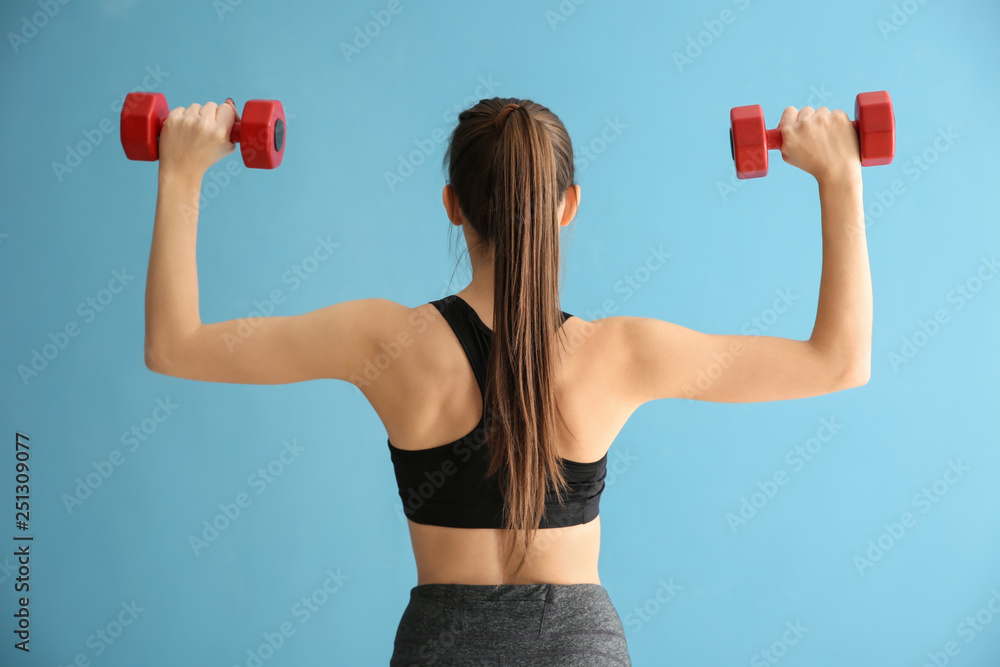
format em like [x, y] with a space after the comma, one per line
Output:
[874, 121]
[260, 132]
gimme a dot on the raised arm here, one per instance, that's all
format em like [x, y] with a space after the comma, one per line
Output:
[333, 342]
[664, 360]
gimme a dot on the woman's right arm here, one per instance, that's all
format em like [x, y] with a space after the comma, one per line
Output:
[666, 360]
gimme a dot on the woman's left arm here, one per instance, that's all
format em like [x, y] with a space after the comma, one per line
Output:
[331, 342]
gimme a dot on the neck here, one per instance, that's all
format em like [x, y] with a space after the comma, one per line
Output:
[480, 290]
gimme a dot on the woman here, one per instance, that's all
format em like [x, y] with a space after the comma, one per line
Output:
[500, 408]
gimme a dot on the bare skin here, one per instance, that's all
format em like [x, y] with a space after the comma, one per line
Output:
[428, 395]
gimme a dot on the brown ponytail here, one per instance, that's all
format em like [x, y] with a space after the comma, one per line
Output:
[510, 162]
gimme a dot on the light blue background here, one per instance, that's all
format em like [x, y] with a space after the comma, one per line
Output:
[666, 180]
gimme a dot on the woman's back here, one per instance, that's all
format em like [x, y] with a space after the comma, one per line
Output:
[428, 396]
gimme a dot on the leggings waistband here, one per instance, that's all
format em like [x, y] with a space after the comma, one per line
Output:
[509, 592]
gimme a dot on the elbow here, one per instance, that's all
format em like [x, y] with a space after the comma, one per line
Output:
[856, 374]
[857, 378]
[165, 355]
[156, 360]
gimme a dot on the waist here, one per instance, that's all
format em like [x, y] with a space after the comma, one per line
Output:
[479, 556]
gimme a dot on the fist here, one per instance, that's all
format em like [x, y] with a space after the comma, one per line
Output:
[821, 142]
[196, 137]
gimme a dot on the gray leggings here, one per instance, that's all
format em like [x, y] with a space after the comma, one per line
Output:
[513, 625]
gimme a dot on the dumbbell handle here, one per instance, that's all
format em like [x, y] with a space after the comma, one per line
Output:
[774, 137]
[234, 135]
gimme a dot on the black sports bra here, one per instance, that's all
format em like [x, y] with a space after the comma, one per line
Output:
[447, 485]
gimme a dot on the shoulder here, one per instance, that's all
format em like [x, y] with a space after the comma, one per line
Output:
[401, 329]
[604, 332]
[598, 342]
[391, 320]
[620, 350]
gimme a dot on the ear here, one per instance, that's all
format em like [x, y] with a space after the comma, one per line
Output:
[451, 206]
[571, 205]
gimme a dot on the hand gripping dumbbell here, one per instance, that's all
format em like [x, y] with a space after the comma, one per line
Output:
[874, 121]
[260, 132]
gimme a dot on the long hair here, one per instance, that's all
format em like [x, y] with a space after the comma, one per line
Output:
[510, 162]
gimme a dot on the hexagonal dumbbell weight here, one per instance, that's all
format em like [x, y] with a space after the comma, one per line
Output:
[260, 132]
[874, 121]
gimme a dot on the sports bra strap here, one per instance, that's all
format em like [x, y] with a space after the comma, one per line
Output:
[472, 333]
[475, 339]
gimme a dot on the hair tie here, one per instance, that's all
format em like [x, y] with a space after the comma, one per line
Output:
[502, 116]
